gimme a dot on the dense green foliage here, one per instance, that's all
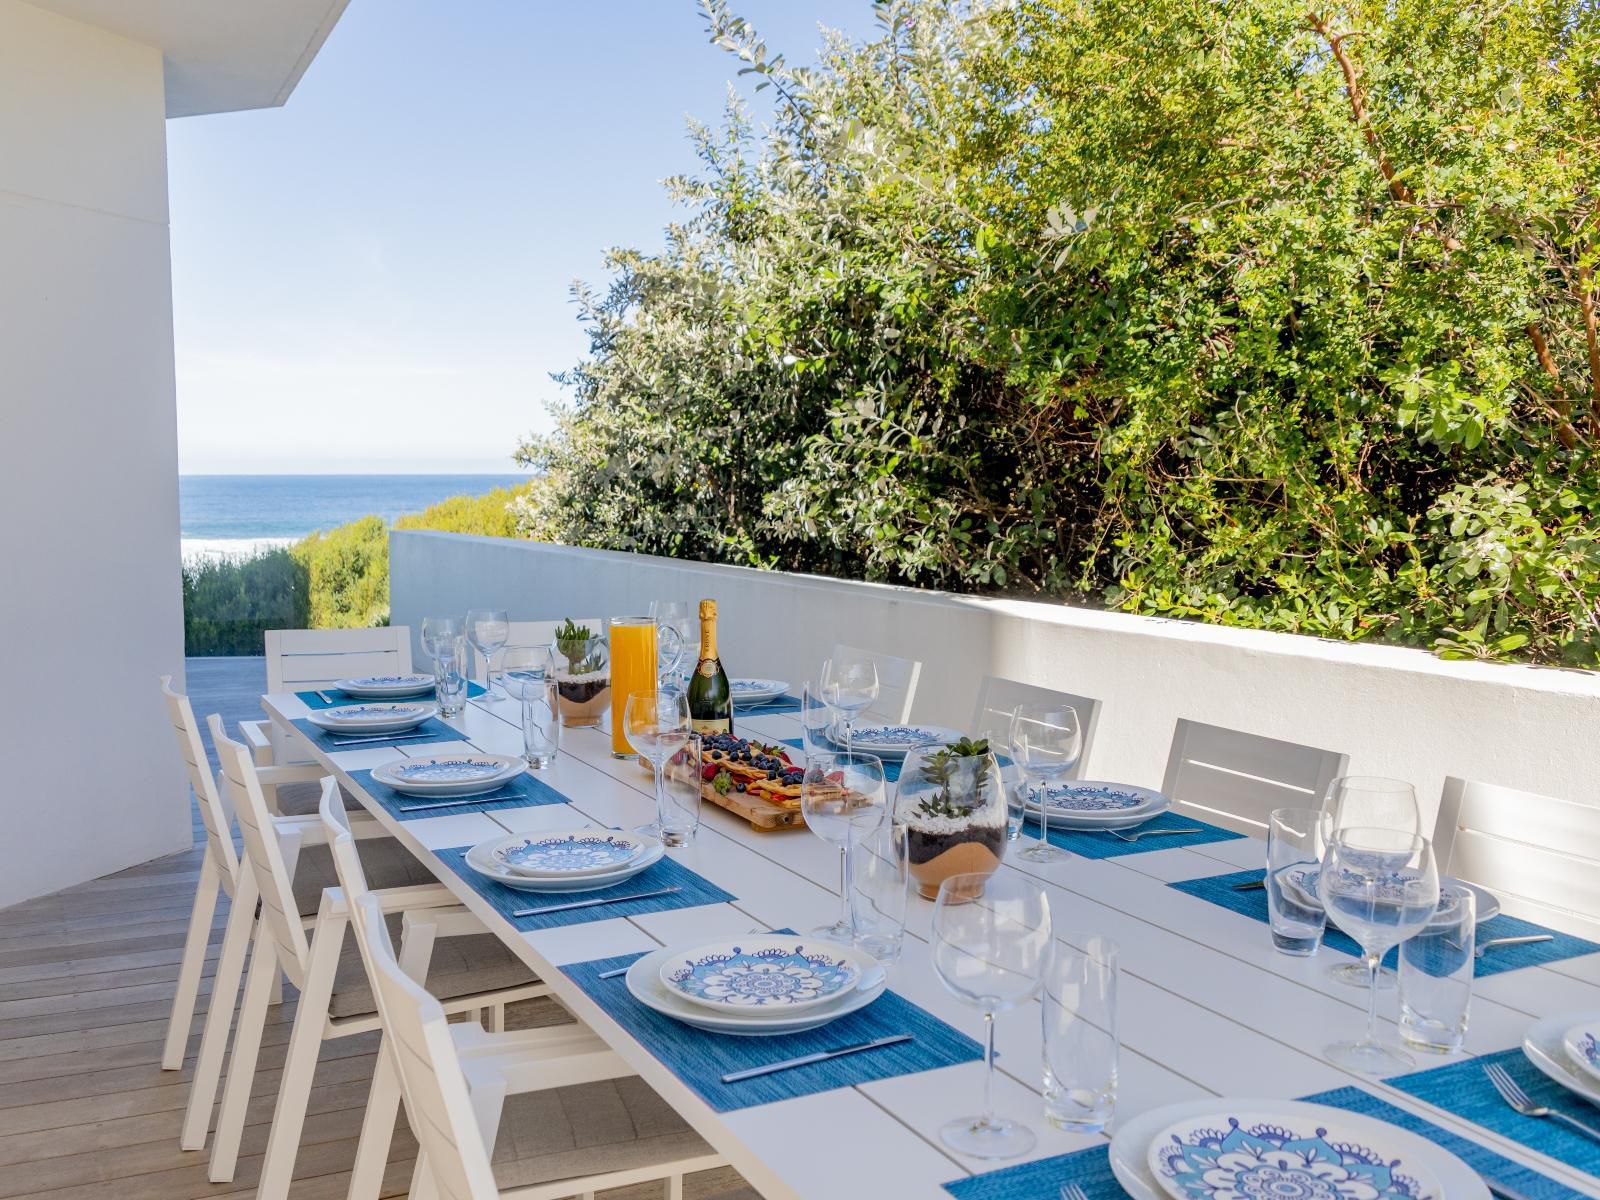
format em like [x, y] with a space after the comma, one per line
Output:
[337, 579]
[1235, 311]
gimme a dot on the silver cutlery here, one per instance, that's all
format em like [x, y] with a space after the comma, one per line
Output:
[1071, 1191]
[1511, 1092]
[325, 698]
[1500, 1191]
[1252, 885]
[554, 908]
[1528, 940]
[805, 1060]
[614, 972]
[340, 739]
[491, 798]
[1144, 833]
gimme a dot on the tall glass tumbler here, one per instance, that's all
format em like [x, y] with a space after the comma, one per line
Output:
[633, 670]
[1080, 1035]
[679, 810]
[1297, 838]
[541, 719]
[450, 675]
[1436, 968]
[880, 891]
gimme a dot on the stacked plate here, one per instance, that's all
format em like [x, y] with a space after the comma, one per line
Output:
[896, 741]
[386, 687]
[572, 860]
[1300, 880]
[450, 774]
[1095, 804]
[763, 985]
[1567, 1049]
[1211, 1149]
[752, 693]
[371, 718]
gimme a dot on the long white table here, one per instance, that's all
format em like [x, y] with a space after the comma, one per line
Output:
[1207, 1007]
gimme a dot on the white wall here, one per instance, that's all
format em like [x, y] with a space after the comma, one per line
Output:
[90, 608]
[1394, 712]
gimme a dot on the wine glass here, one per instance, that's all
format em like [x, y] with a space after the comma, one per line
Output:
[524, 669]
[1382, 886]
[488, 629]
[842, 797]
[997, 732]
[1370, 802]
[850, 684]
[991, 944]
[674, 636]
[439, 634]
[1046, 740]
[657, 727]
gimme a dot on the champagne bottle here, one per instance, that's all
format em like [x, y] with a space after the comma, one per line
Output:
[710, 697]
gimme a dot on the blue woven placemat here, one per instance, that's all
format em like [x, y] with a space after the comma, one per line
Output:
[431, 730]
[1463, 1089]
[1095, 844]
[694, 890]
[783, 704]
[1219, 890]
[525, 791]
[1091, 1169]
[891, 769]
[336, 697]
[700, 1058]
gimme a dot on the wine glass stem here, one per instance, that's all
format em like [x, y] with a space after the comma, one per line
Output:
[1374, 965]
[988, 1071]
[847, 913]
[1044, 816]
[849, 721]
[661, 795]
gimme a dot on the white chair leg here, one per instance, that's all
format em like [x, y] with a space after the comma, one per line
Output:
[193, 964]
[299, 1068]
[377, 1130]
[219, 1015]
[423, 1186]
[495, 1018]
[290, 848]
[675, 1186]
[242, 1062]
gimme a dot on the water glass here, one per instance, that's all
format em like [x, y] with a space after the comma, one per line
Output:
[541, 721]
[678, 813]
[450, 674]
[488, 629]
[1297, 838]
[656, 725]
[842, 797]
[849, 684]
[525, 666]
[441, 632]
[817, 718]
[1046, 740]
[997, 732]
[1080, 1036]
[881, 889]
[1436, 974]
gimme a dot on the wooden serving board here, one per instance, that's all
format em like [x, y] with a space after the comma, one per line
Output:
[764, 816]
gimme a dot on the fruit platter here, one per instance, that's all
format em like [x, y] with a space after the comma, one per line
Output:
[758, 780]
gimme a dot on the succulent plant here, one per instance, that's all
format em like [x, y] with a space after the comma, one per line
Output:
[958, 792]
[572, 641]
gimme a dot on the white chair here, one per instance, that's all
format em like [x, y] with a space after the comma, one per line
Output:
[1540, 855]
[552, 1057]
[456, 1082]
[471, 968]
[897, 686]
[542, 633]
[1236, 779]
[998, 698]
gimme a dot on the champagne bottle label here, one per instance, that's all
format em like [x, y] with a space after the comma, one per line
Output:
[717, 726]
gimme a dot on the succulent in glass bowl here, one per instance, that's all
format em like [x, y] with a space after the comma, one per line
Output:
[583, 674]
[952, 802]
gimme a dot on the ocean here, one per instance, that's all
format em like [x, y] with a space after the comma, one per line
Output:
[243, 514]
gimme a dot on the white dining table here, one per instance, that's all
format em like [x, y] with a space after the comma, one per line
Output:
[1206, 1007]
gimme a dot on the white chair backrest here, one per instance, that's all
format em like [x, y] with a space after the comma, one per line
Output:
[897, 685]
[1540, 855]
[301, 659]
[214, 813]
[438, 1106]
[263, 856]
[542, 633]
[347, 866]
[1236, 779]
[998, 698]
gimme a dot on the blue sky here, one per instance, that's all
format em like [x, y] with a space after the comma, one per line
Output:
[375, 277]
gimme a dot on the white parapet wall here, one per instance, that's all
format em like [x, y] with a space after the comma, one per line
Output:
[1394, 711]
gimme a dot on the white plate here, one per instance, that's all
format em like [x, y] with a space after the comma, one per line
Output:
[570, 853]
[371, 717]
[1146, 803]
[489, 869]
[1130, 1148]
[773, 972]
[643, 980]
[386, 687]
[896, 741]
[1303, 880]
[449, 774]
[1544, 1047]
[749, 693]
[1582, 1044]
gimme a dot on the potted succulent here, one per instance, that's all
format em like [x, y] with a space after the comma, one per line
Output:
[952, 802]
[583, 674]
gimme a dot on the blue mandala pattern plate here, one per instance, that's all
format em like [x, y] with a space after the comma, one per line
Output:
[1249, 1156]
[897, 739]
[765, 974]
[566, 855]
[371, 717]
[1088, 797]
[448, 770]
[1582, 1042]
[386, 686]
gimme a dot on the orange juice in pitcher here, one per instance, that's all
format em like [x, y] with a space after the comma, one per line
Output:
[633, 669]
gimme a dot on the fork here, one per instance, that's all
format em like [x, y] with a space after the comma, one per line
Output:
[1511, 1092]
[1144, 833]
[1071, 1191]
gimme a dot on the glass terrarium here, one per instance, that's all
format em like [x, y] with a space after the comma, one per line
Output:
[583, 674]
[952, 802]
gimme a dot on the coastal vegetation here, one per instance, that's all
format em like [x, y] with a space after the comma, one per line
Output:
[1269, 315]
[337, 579]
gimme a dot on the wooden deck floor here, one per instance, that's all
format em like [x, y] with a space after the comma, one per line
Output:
[86, 977]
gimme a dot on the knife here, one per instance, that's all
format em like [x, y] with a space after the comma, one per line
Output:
[1500, 1190]
[805, 1060]
[554, 908]
[491, 798]
[340, 739]
[1250, 886]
